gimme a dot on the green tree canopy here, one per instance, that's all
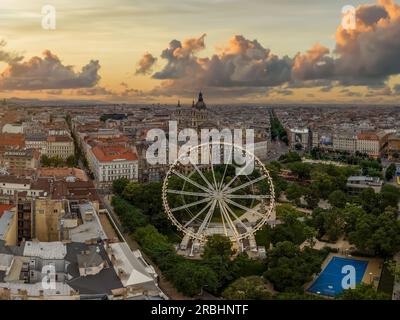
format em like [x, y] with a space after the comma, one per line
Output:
[363, 292]
[249, 288]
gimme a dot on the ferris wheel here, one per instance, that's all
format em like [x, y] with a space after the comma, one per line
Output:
[203, 200]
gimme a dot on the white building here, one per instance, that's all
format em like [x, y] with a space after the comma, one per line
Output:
[110, 163]
[61, 146]
[13, 128]
[345, 142]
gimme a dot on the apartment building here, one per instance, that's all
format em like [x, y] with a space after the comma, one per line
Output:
[393, 148]
[345, 142]
[109, 163]
[20, 161]
[36, 141]
[61, 146]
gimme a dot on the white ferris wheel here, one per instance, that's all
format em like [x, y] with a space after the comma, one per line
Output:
[203, 200]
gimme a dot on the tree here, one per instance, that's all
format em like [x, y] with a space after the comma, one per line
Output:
[290, 230]
[190, 278]
[386, 237]
[363, 292]
[289, 268]
[296, 296]
[311, 197]
[388, 197]
[390, 172]
[334, 224]
[294, 192]
[369, 199]
[249, 288]
[130, 216]
[119, 185]
[218, 245]
[361, 236]
[71, 162]
[301, 170]
[338, 199]
[147, 197]
[243, 266]
[217, 256]
[351, 214]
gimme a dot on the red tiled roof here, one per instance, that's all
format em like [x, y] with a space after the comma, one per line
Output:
[108, 153]
[59, 139]
[5, 207]
[367, 136]
[12, 140]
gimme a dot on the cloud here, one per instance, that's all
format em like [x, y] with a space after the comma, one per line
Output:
[146, 64]
[367, 55]
[181, 58]
[95, 91]
[8, 57]
[242, 67]
[48, 73]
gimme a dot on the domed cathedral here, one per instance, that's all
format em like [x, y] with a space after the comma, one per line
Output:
[197, 117]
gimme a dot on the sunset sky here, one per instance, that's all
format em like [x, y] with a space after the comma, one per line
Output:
[234, 50]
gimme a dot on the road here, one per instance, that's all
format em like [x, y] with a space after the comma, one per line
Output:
[277, 148]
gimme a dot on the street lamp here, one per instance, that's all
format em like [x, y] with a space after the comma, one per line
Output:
[370, 277]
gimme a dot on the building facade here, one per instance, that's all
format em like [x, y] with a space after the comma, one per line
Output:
[111, 163]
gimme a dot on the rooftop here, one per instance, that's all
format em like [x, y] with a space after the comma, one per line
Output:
[45, 250]
[5, 207]
[113, 153]
[5, 221]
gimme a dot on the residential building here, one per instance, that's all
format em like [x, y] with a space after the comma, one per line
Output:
[61, 146]
[20, 161]
[109, 163]
[393, 148]
[345, 142]
[356, 184]
[36, 141]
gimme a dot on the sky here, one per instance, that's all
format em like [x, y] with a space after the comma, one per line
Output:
[235, 51]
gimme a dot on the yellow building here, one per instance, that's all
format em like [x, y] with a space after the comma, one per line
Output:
[47, 219]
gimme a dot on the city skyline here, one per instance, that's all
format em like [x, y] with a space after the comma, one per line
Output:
[138, 52]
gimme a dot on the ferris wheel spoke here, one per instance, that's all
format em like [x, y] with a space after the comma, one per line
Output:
[202, 176]
[197, 215]
[207, 218]
[180, 175]
[235, 177]
[223, 219]
[212, 168]
[248, 196]
[243, 207]
[190, 205]
[228, 218]
[226, 166]
[187, 193]
[236, 217]
[244, 185]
